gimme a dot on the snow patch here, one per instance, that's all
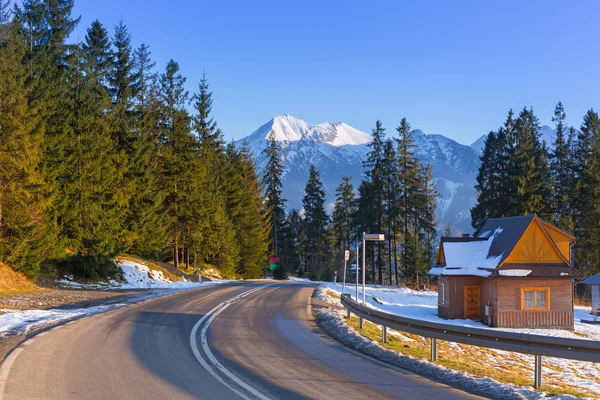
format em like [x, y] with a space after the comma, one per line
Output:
[514, 272]
[468, 258]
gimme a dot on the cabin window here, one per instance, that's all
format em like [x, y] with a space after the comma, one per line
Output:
[442, 293]
[535, 298]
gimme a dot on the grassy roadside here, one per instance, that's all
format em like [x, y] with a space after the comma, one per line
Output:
[12, 282]
[461, 357]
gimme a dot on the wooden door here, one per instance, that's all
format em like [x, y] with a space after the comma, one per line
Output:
[472, 302]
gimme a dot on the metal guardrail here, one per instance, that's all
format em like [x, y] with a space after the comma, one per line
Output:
[537, 345]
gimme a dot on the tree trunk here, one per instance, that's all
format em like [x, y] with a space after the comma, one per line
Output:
[176, 254]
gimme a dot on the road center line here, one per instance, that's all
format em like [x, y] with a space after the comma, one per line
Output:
[209, 317]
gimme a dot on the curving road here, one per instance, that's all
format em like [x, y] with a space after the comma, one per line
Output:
[208, 343]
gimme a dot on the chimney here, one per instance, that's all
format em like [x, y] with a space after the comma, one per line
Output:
[466, 235]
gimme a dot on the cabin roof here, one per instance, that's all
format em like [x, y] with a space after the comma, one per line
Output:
[484, 254]
[592, 280]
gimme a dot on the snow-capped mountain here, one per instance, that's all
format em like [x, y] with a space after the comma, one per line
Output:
[338, 150]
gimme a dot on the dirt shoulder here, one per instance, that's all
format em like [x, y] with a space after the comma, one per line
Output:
[63, 299]
[56, 299]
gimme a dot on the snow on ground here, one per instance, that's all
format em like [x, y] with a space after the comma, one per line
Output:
[295, 279]
[137, 275]
[423, 305]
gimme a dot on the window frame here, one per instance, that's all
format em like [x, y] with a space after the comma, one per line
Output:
[535, 290]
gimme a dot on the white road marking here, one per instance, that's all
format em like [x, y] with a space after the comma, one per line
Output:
[5, 369]
[28, 342]
[203, 338]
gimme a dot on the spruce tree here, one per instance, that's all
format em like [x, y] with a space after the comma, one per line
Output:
[215, 190]
[489, 181]
[44, 27]
[22, 230]
[373, 166]
[180, 162]
[408, 183]
[561, 170]
[274, 201]
[245, 209]
[315, 224]
[586, 203]
[342, 219]
[146, 220]
[291, 244]
[390, 204]
[531, 180]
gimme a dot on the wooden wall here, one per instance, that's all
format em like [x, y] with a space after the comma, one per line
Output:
[562, 241]
[534, 247]
[508, 313]
[456, 296]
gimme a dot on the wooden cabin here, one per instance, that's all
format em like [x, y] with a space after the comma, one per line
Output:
[516, 272]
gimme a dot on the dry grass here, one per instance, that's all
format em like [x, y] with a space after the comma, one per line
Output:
[506, 369]
[14, 282]
[153, 266]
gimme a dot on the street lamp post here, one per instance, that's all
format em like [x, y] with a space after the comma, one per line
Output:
[372, 237]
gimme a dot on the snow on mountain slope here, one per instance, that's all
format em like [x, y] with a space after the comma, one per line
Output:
[287, 128]
[338, 150]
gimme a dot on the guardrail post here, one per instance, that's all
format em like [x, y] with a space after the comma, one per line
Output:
[433, 349]
[360, 322]
[384, 333]
[537, 380]
[348, 315]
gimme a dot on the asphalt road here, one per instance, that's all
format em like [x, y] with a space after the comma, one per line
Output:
[263, 345]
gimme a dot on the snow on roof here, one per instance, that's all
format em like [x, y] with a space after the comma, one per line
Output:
[468, 258]
[514, 272]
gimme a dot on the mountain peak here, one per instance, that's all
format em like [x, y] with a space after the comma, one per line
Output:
[288, 128]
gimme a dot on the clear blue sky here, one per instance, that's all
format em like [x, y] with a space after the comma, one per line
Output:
[449, 67]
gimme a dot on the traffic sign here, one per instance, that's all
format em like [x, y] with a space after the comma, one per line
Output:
[346, 255]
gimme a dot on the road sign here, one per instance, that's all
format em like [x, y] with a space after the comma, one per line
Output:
[346, 255]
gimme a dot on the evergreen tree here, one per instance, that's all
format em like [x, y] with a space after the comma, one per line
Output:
[390, 204]
[44, 27]
[342, 218]
[215, 189]
[180, 162]
[4, 14]
[408, 183]
[315, 224]
[146, 220]
[531, 181]
[561, 170]
[489, 181]
[374, 172]
[21, 204]
[144, 78]
[586, 203]
[274, 201]
[246, 212]
[291, 244]
[426, 222]
[447, 230]
[98, 56]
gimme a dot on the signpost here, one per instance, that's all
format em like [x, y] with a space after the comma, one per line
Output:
[346, 258]
[273, 263]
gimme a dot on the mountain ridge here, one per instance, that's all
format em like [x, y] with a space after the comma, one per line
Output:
[338, 150]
